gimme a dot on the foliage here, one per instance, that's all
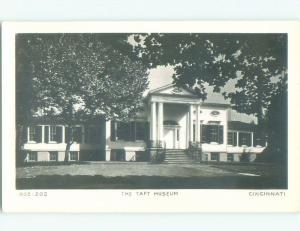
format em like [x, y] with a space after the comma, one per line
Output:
[251, 60]
[77, 77]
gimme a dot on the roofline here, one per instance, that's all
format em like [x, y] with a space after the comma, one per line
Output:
[177, 95]
[170, 85]
[216, 104]
[160, 88]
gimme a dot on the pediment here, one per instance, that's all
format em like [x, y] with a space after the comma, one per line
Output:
[172, 90]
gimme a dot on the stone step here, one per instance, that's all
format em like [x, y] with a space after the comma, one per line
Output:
[167, 154]
[182, 162]
[177, 158]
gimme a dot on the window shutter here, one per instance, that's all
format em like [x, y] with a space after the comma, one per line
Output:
[234, 139]
[220, 135]
[147, 131]
[24, 134]
[208, 133]
[113, 129]
[38, 134]
[46, 135]
[58, 134]
[204, 133]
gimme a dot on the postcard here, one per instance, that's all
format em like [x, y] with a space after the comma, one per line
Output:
[171, 116]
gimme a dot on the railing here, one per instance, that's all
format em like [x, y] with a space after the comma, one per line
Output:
[195, 151]
[157, 151]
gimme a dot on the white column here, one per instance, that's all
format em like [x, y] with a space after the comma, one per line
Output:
[63, 132]
[198, 123]
[153, 121]
[107, 154]
[108, 131]
[191, 123]
[160, 119]
[107, 140]
[251, 139]
[237, 138]
[43, 133]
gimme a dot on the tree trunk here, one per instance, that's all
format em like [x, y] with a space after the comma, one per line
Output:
[69, 141]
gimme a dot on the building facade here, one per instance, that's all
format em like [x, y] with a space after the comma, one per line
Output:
[173, 119]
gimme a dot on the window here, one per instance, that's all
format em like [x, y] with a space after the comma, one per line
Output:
[124, 131]
[141, 130]
[32, 133]
[214, 133]
[53, 156]
[214, 156]
[77, 134]
[259, 139]
[35, 134]
[129, 131]
[32, 156]
[53, 134]
[92, 134]
[230, 157]
[232, 138]
[73, 156]
[211, 133]
[244, 139]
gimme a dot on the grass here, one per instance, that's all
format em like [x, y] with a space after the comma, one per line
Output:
[101, 175]
[150, 182]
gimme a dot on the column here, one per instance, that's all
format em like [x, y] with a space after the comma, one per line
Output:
[63, 132]
[160, 120]
[237, 138]
[107, 140]
[153, 121]
[198, 123]
[251, 139]
[43, 133]
[191, 123]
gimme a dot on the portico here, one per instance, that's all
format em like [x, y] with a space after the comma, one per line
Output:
[174, 118]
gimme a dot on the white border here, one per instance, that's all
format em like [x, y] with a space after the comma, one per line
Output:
[111, 200]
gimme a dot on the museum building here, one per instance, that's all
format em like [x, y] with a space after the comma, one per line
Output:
[173, 120]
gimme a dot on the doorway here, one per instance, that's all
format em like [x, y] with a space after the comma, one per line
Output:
[171, 137]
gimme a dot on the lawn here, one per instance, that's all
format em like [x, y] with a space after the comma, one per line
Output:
[114, 175]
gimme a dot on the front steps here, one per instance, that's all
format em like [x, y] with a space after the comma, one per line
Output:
[177, 156]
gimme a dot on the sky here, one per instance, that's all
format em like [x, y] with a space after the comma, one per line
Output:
[162, 75]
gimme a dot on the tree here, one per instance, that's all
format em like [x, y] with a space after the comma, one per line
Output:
[253, 61]
[75, 78]
[276, 126]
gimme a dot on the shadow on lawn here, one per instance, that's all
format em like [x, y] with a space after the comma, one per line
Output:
[150, 182]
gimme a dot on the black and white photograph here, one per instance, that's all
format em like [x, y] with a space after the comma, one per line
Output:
[150, 116]
[151, 110]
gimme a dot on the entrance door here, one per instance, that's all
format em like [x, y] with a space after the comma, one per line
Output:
[170, 137]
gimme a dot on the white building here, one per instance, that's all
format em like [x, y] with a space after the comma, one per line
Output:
[174, 121]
